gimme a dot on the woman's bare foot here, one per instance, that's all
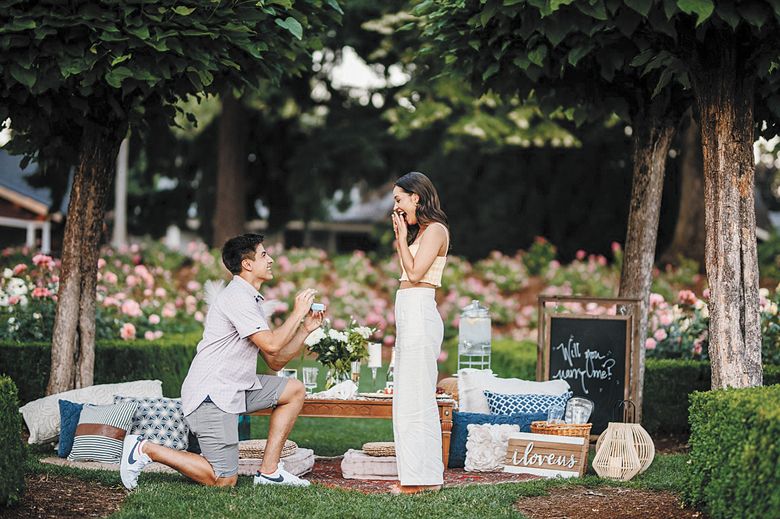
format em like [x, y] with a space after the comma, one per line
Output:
[399, 489]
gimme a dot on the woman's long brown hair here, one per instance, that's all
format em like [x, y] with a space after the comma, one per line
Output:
[428, 208]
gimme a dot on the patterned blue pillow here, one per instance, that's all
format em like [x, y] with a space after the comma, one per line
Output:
[460, 432]
[513, 404]
[160, 420]
[70, 412]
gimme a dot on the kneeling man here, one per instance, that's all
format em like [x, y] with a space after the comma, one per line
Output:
[222, 382]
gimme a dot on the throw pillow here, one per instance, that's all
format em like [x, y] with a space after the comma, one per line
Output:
[461, 420]
[42, 416]
[486, 446]
[101, 431]
[472, 383]
[513, 404]
[160, 420]
[70, 412]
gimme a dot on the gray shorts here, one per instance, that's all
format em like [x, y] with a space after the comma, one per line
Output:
[217, 431]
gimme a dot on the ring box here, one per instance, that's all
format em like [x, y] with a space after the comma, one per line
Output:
[317, 307]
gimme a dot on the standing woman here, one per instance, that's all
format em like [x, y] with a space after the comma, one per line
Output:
[422, 241]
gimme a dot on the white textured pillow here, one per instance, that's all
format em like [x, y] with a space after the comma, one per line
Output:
[486, 446]
[42, 416]
[473, 382]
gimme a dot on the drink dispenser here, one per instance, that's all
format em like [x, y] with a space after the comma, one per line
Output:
[474, 337]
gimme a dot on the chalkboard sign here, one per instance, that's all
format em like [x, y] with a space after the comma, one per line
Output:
[593, 354]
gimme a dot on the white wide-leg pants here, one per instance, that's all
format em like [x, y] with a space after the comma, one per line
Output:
[416, 426]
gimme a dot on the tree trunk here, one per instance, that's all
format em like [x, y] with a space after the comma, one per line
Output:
[73, 338]
[724, 93]
[688, 240]
[119, 236]
[230, 210]
[654, 130]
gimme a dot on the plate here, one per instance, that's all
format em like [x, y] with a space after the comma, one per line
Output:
[376, 395]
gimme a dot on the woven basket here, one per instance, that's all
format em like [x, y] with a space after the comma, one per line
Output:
[562, 429]
[255, 449]
[379, 448]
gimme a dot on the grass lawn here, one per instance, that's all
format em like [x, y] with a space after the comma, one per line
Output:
[166, 496]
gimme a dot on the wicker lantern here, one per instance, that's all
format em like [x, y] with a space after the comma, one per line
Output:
[617, 458]
[643, 443]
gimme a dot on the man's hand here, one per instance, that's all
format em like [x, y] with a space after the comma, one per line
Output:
[313, 321]
[303, 302]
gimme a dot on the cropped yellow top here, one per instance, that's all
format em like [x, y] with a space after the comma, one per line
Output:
[435, 271]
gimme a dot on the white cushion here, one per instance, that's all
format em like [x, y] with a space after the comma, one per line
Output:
[473, 382]
[42, 416]
[486, 446]
[359, 465]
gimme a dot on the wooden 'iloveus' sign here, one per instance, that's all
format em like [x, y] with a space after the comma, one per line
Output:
[546, 455]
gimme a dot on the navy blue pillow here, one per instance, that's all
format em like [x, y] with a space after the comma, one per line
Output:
[460, 432]
[70, 412]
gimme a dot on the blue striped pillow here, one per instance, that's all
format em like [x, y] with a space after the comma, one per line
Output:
[101, 431]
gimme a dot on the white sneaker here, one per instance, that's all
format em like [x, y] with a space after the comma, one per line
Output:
[282, 478]
[133, 461]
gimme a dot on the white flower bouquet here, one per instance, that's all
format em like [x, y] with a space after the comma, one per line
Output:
[336, 349]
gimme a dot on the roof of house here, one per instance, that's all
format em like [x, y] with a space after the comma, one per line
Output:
[14, 187]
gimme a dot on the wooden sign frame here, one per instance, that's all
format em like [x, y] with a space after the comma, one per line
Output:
[526, 453]
[625, 309]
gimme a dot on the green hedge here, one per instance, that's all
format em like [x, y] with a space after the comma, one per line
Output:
[668, 383]
[12, 453]
[735, 454]
[167, 359]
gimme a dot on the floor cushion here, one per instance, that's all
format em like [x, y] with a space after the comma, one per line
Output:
[359, 465]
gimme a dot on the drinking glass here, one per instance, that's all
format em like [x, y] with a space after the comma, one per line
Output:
[555, 413]
[288, 373]
[355, 371]
[310, 379]
[578, 410]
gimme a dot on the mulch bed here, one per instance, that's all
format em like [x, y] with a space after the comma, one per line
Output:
[52, 497]
[328, 472]
[612, 502]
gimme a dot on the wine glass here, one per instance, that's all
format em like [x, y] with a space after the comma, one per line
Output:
[310, 379]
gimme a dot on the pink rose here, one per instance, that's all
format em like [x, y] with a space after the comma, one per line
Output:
[660, 334]
[41, 292]
[389, 340]
[131, 308]
[650, 343]
[615, 246]
[149, 335]
[666, 319]
[127, 332]
[686, 297]
[580, 254]
[160, 292]
[199, 316]
[101, 263]
[154, 319]
[18, 269]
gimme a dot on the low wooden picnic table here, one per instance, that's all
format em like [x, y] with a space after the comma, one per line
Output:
[372, 408]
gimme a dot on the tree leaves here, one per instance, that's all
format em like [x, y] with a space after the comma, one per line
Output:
[183, 10]
[701, 8]
[292, 25]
